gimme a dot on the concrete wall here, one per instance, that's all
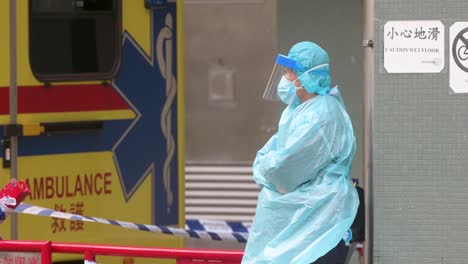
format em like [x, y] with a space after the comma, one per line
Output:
[230, 48]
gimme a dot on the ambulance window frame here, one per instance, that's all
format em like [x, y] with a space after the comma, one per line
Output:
[53, 77]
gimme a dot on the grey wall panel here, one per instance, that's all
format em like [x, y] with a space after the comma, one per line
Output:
[230, 49]
[420, 151]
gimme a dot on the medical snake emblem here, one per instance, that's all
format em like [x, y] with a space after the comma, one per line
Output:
[165, 60]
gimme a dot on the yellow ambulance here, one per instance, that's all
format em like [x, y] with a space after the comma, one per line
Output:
[91, 116]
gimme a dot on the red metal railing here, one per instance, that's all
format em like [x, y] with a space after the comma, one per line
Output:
[89, 251]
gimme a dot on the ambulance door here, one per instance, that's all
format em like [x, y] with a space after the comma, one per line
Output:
[68, 53]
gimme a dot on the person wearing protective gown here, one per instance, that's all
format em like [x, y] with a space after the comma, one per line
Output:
[307, 200]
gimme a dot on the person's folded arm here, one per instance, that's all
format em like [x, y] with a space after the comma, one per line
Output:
[305, 153]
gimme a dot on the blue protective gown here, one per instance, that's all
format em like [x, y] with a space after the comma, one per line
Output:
[307, 200]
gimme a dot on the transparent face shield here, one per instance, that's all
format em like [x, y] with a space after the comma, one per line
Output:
[283, 65]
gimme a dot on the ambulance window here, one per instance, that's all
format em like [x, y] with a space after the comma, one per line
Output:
[74, 39]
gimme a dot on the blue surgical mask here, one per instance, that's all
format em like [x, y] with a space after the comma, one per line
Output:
[287, 91]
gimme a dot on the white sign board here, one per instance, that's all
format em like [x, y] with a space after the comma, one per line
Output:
[459, 57]
[414, 46]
